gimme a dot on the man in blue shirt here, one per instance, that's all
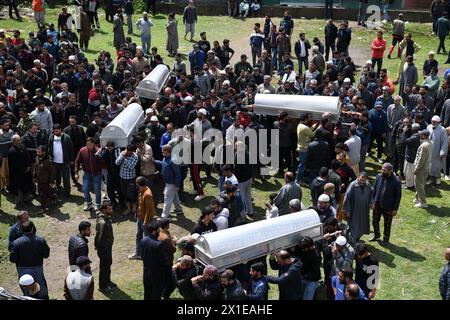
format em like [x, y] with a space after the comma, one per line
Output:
[196, 57]
[260, 286]
[343, 280]
[172, 178]
[378, 119]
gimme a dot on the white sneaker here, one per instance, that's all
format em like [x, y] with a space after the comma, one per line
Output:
[416, 201]
[134, 256]
[437, 182]
[428, 182]
[421, 205]
[200, 197]
[447, 178]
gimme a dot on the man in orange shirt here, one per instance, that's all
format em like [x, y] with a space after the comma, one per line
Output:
[378, 48]
[145, 212]
[39, 12]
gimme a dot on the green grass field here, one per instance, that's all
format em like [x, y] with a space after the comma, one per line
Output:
[410, 266]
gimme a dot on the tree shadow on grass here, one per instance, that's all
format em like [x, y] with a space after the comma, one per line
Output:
[117, 294]
[403, 252]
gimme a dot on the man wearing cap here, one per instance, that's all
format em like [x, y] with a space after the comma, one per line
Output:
[324, 208]
[343, 255]
[196, 57]
[31, 289]
[439, 138]
[79, 284]
[421, 168]
[144, 25]
[386, 198]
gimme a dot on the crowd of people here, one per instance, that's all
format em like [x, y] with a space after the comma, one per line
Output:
[54, 104]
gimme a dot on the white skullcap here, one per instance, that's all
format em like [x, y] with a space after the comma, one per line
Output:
[324, 198]
[347, 80]
[313, 81]
[227, 82]
[436, 118]
[431, 53]
[154, 118]
[188, 98]
[149, 110]
[26, 280]
[195, 236]
[369, 61]
[202, 111]
[341, 241]
[329, 62]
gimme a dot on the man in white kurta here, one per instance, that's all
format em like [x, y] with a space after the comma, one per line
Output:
[439, 137]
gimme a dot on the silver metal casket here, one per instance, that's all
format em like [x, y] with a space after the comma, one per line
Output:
[152, 84]
[296, 105]
[230, 247]
[123, 127]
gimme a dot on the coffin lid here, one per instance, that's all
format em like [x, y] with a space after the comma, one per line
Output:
[230, 240]
[125, 123]
[296, 105]
[152, 84]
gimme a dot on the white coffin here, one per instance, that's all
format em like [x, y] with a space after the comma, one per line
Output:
[296, 105]
[230, 247]
[123, 127]
[152, 84]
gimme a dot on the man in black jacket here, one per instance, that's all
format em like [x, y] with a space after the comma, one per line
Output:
[317, 155]
[330, 38]
[60, 150]
[28, 253]
[311, 259]
[104, 239]
[285, 145]
[318, 184]
[289, 278]
[33, 139]
[78, 244]
[386, 196]
[109, 155]
[182, 272]
[153, 258]
[233, 288]
[78, 137]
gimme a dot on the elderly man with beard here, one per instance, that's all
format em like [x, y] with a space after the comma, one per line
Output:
[439, 138]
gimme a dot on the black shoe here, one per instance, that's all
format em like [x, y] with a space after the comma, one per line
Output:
[106, 289]
[112, 285]
[374, 238]
[389, 56]
[385, 240]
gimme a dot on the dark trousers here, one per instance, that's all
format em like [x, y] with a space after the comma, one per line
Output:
[169, 284]
[441, 44]
[379, 63]
[387, 216]
[105, 256]
[302, 61]
[195, 175]
[12, 5]
[45, 193]
[113, 189]
[379, 138]
[399, 161]
[447, 167]
[151, 4]
[285, 158]
[435, 19]
[329, 45]
[154, 282]
[63, 171]
[328, 9]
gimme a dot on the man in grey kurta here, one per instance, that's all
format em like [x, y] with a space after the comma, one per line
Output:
[439, 137]
[408, 77]
[172, 35]
[395, 113]
[289, 191]
[119, 35]
[357, 205]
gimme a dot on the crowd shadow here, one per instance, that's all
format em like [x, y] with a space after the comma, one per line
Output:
[183, 222]
[441, 212]
[403, 252]
[117, 294]
[6, 218]
[382, 256]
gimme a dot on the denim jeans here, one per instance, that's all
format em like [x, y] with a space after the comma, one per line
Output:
[301, 166]
[309, 289]
[140, 233]
[385, 12]
[146, 43]
[274, 58]
[96, 184]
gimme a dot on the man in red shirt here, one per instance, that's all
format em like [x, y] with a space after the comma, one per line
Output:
[92, 172]
[378, 48]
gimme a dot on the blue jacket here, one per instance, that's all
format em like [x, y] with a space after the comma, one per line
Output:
[196, 59]
[29, 251]
[378, 120]
[164, 139]
[289, 280]
[170, 171]
[392, 194]
[444, 282]
[260, 289]
[256, 39]
[14, 233]
[363, 134]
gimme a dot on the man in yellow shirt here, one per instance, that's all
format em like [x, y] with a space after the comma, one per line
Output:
[304, 135]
